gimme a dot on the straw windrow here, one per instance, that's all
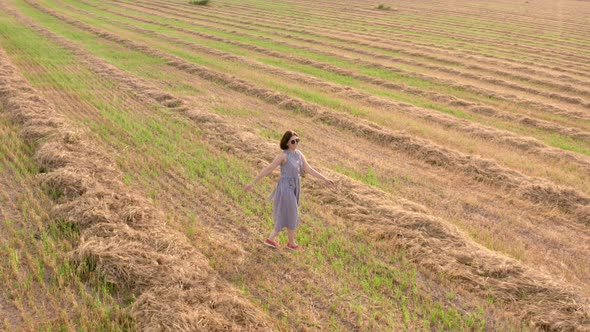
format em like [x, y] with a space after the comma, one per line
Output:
[122, 234]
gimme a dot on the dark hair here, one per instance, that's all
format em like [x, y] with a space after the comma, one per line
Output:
[286, 137]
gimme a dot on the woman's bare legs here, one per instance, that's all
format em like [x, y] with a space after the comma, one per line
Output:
[290, 236]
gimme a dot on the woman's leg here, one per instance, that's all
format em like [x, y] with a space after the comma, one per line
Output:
[291, 236]
[273, 235]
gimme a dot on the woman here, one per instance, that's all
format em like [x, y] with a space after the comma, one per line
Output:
[286, 195]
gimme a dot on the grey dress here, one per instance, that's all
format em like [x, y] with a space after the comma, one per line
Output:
[286, 196]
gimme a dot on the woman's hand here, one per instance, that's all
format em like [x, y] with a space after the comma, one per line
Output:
[248, 187]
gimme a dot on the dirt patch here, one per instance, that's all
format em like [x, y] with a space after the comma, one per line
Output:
[9, 313]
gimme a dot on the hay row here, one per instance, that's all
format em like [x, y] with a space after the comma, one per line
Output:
[430, 52]
[534, 189]
[204, 117]
[525, 17]
[527, 144]
[545, 303]
[506, 63]
[121, 232]
[360, 12]
[469, 87]
[438, 97]
[419, 52]
[438, 9]
[337, 18]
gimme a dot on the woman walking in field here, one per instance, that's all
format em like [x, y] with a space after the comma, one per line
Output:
[286, 195]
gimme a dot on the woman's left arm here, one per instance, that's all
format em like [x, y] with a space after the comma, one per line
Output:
[308, 169]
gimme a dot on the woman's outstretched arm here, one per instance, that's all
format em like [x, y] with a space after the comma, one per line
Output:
[308, 169]
[266, 171]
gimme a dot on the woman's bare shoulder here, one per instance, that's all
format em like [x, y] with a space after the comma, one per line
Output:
[281, 155]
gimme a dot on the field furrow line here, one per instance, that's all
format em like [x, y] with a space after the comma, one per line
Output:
[527, 144]
[534, 189]
[468, 87]
[438, 97]
[363, 16]
[247, 25]
[531, 21]
[527, 101]
[519, 67]
[362, 11]
[336, 18]
[121, 231]
[494, 15]
[473, 61]
[430, 51]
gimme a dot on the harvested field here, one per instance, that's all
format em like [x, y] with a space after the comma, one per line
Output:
[458, 134]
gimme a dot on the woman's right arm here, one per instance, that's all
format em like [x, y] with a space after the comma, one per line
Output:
[266, 171]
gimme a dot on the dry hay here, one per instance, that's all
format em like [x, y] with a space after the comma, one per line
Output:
[121, 232]
[433, 244]
[133, 260]
[174, 309]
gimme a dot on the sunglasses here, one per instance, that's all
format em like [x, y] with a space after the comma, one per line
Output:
[293, 141]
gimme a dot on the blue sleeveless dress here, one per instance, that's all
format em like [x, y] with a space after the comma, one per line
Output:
[286, 195]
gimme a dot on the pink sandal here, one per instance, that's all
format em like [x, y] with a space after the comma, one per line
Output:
[271, 243]
[295, 247]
